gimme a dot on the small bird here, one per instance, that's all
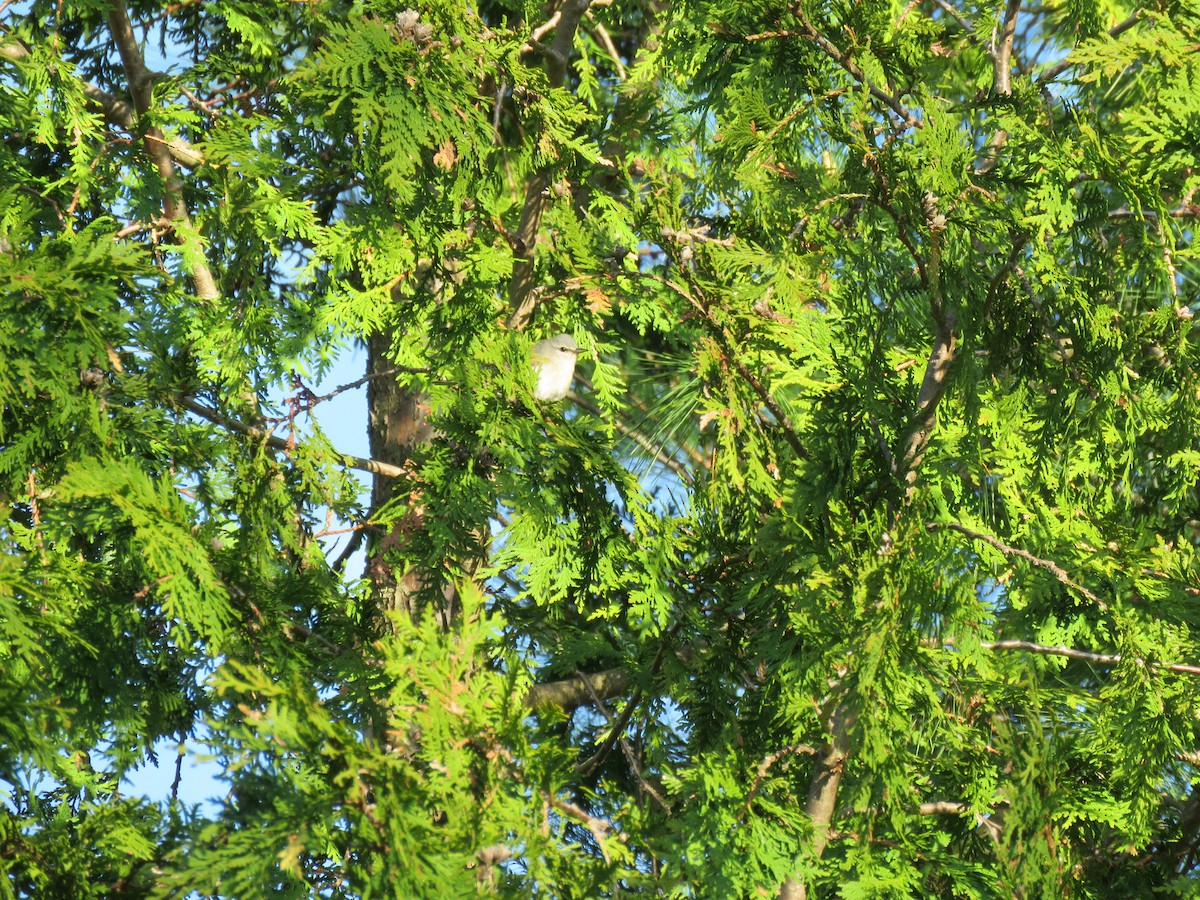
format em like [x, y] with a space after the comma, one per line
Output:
[554, 363]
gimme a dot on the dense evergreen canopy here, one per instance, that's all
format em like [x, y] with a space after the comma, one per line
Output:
[860, 562]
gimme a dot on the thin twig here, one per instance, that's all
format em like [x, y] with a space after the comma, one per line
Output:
[141, 83]
[1058, 68]
[964, 24]
[1049, 565]
[765, 766]
[607, 41]
[1101, 659]
[908, 120]
[725, 341]
[277, 443]
[314, 399]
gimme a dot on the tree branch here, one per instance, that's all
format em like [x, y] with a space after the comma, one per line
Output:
[1050, 566]
[765, 766]
[312, 399]
[277, 443]
[933, 388]
[1058, 68]
[1100, 659]
[140, 87]
[907, 119]
[571, 693]
[115, 111]
[599, 828]
[521, 299]
[1001, 53]
[822, 790]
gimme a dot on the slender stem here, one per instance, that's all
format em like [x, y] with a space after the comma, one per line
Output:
[1049, 565]
[277, 443]
[140, 87]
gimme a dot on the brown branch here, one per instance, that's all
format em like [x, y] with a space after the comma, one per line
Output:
[765, 766]
[615, 729]
[963, 23]
[941, 357]
[571, 693]
[1058, 68]
[1049, 565]
[607, 42]
[725, 341]
[1101, 659]
[521, 299]
[943, 808]
[908, 120]
[933, 388]
[1183, 211]
[599, 828]
[1001, 53]
[822, 790]
[140, 87]
[277, 443]
[117, 112]
[987, 824]
[1001, 277]
[313, 399]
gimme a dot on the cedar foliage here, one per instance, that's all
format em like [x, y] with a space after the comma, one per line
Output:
[861, 563]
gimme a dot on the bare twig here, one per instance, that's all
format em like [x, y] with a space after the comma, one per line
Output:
[883, 446]
[1183, 211]
[607, 42]
[962, 23]
[277, 443]
[1001, 276]
[1053, 568]
[140, 87]
[907, 119]
[943, 808]
[522, 302]
[118, 112]
[615, 729]
[1058, 68]
[313, 399]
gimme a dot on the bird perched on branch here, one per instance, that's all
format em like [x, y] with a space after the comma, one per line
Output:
[554, 363]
